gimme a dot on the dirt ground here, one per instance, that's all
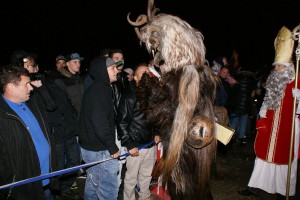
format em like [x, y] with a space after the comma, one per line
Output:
[231, 174]
[234, 171]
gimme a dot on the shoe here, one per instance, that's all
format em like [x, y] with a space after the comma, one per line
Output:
[153, 181]
[247, 192]
[82, 177]
[70, 195]
[74, 186]
[58, 197]
[244, 140]
[137, 188]
[280, 197]
[241, 142]
[151, 197]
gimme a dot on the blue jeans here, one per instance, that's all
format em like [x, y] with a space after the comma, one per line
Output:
[239, 124]
[102, 179]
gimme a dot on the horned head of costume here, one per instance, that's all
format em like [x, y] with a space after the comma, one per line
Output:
[170, 39]
[186, 94]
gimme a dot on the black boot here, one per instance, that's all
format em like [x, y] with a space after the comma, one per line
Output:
[248, 192]
[280, 197]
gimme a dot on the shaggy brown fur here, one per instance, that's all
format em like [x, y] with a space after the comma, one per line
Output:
[181, 104]
[159, 100]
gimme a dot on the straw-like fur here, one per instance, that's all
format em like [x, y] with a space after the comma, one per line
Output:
[180, 105]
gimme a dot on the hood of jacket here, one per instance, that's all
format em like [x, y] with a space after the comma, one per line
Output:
[98, 70]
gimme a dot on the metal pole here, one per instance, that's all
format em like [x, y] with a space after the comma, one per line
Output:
[295, 37]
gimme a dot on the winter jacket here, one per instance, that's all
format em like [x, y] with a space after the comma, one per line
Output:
[18, 156]
[63, 119]
[74, 87]
[97, 117]
[240, 101]
[131, 123]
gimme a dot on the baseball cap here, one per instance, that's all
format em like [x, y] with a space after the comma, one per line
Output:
[119, 63]
[73, 56]
[109, 62]
[60, 57]
[129, 70]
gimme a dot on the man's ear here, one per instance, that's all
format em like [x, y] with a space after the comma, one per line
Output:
[9, 87]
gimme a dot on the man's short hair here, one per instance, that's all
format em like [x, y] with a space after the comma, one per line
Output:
[113, 51]
[11, 74]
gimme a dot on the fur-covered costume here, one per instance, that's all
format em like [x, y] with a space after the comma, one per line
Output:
[180, 104]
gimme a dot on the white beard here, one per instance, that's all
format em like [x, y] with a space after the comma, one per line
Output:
[275, 86]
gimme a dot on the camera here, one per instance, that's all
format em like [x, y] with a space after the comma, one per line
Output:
[35, 76]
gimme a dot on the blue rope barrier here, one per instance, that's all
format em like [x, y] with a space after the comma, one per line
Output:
[64, 171]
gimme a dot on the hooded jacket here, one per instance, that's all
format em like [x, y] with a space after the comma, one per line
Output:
[97, 117]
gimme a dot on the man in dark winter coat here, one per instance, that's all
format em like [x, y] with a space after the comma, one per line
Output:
[62, 119]
[97, 136]
[25, 140]
[71, 82]
[134, 132]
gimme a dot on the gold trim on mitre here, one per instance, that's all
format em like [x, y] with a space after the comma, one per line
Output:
[284, 45]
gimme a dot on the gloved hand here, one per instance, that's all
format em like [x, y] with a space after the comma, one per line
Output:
[262, 113]
[296, 93]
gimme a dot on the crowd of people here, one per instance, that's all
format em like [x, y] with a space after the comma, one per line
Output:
[63, 118]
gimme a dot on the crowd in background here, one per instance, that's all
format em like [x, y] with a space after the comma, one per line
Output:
[94, 115]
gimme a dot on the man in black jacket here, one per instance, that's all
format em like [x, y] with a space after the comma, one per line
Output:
[62, 120]
[25, 140]
[71, 82]
[134, 132]
[97, 136]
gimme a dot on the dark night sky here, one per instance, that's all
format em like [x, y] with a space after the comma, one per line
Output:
[49, 28]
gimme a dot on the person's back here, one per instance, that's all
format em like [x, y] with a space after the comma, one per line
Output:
[241, 98]
[240, 103]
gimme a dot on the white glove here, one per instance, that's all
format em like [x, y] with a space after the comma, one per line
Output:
[262, 113]
[296, 93]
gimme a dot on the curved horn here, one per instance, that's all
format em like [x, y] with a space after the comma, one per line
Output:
[137, 31]
[154, 11]
[142, 19]
[149, 10]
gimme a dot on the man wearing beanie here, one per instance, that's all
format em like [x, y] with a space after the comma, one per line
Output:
[274, 127]
[97, 132]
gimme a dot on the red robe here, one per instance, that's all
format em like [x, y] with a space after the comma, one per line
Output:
[273, 145]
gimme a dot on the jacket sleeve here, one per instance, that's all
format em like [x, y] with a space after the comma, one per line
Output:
[46, 97]
[124, 121]
[6, 174]
[102, 116]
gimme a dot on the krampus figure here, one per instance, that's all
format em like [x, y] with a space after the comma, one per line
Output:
[180, 104]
